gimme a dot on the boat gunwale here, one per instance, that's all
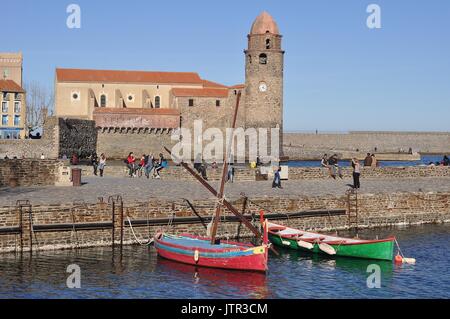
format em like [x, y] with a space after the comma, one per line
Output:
[206, 250]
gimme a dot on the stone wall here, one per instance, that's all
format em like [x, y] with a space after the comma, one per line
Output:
[34, 148]
[295, 173]
[313, 146]
[76, 136]
[33, 172]
[375, 210]
[117, 145]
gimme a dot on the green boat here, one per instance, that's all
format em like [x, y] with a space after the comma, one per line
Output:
[331, 245]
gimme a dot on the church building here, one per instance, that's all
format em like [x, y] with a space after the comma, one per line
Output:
[145, 102]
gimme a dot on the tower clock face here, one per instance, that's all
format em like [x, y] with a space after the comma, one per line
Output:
[262, 87]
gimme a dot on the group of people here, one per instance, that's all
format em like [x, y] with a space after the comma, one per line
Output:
[98, 163]
[445, 162]
[148, 165]
[332, 164]
[370, 161]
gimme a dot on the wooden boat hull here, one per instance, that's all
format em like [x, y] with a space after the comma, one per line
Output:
[346, 247]
[197, 251]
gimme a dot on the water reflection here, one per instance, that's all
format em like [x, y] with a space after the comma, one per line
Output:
[246, 284]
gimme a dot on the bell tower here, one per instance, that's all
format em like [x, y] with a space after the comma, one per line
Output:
[264, 76]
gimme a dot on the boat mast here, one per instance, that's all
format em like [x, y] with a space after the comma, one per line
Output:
[226, 158]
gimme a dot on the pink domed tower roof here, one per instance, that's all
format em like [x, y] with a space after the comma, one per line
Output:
[263, 24]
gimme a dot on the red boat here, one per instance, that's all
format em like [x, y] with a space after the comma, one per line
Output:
[209, 252]
[199, 251]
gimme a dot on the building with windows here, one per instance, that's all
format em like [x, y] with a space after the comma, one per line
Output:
[141, 102]
[12, 97]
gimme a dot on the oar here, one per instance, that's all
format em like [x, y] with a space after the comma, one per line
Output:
[305, 244]
[327, 249]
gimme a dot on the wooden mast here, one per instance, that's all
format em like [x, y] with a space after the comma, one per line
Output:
[226, 158]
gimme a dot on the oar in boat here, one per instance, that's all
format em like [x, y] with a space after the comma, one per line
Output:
[327, 249]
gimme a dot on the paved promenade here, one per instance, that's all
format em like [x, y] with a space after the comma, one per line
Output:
[143, 189]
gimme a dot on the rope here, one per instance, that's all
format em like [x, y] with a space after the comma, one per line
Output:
[149, 242]
[398, 247]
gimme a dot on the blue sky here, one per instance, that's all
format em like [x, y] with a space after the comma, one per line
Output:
[339, 74]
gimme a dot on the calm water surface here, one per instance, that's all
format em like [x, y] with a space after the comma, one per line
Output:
[425, 160]
[139, 273]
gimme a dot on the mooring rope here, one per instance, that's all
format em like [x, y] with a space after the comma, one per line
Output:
[149, 242]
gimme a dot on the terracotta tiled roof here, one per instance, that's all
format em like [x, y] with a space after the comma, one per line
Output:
[135, 111]
[110, 76]
[211, 84]
[238, 86]
[206, 92]
[10, 86]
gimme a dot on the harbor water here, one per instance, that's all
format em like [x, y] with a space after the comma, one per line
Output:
[138, 272]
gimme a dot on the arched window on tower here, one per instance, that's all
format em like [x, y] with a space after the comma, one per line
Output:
[157, 102]
[267, 43]
[103, 100]
[249, 59]
[263, 58]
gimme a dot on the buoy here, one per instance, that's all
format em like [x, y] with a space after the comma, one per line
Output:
[398, 259]
[411, 261]
[196, 256]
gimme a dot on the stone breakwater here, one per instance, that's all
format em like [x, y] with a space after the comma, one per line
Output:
[295, 173]
[81, 224]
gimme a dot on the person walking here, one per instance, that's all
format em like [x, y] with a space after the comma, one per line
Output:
[277, 179]
[368, 160]
[356, 173]
[102, 164]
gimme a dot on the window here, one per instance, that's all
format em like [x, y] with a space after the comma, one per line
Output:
[267, 43]
[157, 102]
[191, 102]
[17, 96]
[16, 120]
[217, 102]
[263, 58]
[103, 100]
[249, 59]
[4, 119]
[17, 107]
[5, 107]
[130, 97]
[5, 96]
[75, 96]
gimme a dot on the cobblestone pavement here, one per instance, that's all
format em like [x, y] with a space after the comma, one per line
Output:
[143, 189]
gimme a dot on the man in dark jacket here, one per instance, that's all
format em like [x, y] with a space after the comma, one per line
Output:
[368, 160]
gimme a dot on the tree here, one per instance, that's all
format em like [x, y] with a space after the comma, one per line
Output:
[39, 104]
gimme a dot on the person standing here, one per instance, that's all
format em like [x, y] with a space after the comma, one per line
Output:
[148, 165]
[277, 179]
[368, 160]
[356, 173]
[231, 172]
[324, 161]
[94, 162]
[102, 164]
[374, 161]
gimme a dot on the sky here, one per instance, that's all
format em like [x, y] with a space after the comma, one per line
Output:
[340, 75]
